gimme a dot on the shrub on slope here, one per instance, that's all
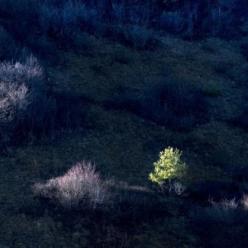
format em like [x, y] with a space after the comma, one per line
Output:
[24, 106]
[79, 187]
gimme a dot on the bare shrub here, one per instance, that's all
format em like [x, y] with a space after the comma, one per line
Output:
[225, 204]
[225, 211]
[21, 72]
[177, 187]
[26, 111]
[81, 186]
[13, 98]
[18, 82]
[220, 220]
[244, 201]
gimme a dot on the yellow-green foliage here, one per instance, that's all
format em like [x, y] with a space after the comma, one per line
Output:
[168, 167]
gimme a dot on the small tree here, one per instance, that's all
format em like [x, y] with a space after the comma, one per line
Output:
[169, 167]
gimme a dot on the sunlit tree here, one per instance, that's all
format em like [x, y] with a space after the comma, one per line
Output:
[169, 167]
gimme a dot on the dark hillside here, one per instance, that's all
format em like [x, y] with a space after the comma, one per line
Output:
[123, 123]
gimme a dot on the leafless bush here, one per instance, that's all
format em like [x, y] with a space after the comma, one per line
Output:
[244, 201]
[225, 211]
[18, 83]
[177, 187]
[225, 204]
[21, 72]
[80, 187]
[12, 98]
